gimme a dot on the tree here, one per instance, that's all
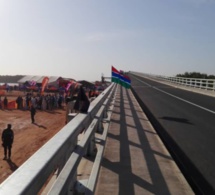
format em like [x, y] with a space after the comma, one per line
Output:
[196, 75]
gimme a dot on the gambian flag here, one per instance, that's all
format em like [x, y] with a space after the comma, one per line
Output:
[120, 78]
[115, 75]
[125, 81]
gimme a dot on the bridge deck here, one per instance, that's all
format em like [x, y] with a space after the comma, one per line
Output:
[135, 160]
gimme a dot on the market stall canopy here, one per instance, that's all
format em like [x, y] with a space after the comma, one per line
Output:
[53, 80]
[63, 82]
[86, 84]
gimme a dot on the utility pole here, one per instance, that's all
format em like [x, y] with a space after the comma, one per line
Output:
[103, 79]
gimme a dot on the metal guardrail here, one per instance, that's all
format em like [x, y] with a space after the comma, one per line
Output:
[208, 84]
[62, 154]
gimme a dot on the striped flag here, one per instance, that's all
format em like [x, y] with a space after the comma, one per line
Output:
[120, 78]
[115, 75]
[125, 81]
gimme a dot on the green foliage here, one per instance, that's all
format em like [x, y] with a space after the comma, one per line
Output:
[196, 75]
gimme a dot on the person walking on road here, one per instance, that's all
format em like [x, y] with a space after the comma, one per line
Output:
[33, 112]
[7, 141]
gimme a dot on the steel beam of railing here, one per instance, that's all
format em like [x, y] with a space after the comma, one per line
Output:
[62, 183]
[31, 176]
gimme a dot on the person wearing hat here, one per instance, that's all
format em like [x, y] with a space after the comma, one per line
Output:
[7, 141]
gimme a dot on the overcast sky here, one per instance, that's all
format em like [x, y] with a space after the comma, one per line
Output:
[81, 39]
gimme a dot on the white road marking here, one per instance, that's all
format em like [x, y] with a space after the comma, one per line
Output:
[203, 108]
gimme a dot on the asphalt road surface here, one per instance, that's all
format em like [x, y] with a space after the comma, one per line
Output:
[186, 123]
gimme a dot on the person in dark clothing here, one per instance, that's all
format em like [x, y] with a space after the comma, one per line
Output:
[33, 112]
[7, 141]
[19, 102]
[82, 103]
[5, 102]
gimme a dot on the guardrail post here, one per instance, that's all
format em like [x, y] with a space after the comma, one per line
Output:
[179, 81]
[207, 85]
[201, 84]
[91, 149]
[214, 85]
[105, 115]
[100, 125]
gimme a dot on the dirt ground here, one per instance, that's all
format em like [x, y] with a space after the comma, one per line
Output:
[28, 137]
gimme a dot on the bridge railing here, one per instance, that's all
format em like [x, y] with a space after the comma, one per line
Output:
[62, 154]
[208, 84]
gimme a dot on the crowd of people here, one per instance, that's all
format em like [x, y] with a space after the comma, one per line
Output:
[77, 100]
[42, 102]
[29, 102]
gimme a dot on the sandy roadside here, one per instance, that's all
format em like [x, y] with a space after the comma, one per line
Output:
[28, 137]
